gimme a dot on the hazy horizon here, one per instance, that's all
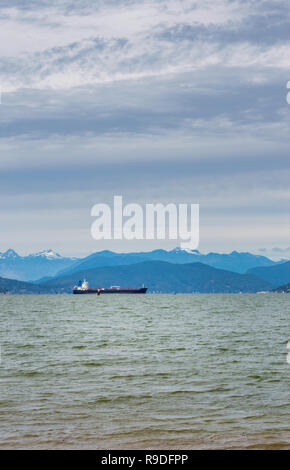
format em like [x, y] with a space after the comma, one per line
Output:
[274, 254]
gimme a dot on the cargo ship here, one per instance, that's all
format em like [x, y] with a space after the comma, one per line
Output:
[83, 288]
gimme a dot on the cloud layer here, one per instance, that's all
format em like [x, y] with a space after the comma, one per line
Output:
[160, 100]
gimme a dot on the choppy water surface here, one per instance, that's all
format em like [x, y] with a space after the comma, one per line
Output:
[152, 371]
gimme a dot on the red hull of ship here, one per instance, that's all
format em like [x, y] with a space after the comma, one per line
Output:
[111, 291]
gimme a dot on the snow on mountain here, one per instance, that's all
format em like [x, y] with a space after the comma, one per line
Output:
[48, 263]
[178, 249]
[48, 254]
[9, 254]
[45, 263]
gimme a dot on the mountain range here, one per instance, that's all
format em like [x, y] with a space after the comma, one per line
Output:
[278, 275]
[161, 271]
[161, 276]
[235, 261]
[48, 264]
[32, 267]
[12, 286]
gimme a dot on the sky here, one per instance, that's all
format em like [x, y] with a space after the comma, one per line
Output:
[158, 101]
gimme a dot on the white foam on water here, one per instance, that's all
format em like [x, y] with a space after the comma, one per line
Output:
[288, 358]
[288, 345]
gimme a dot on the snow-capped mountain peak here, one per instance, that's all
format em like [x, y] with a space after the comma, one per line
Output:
[48, 254]
[178, 249]
[9, 254]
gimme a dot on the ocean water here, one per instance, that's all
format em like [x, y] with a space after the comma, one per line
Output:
[147, 372]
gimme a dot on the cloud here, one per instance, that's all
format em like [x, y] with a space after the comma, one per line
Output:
[281, 250]
[158, 100]
[107, 42]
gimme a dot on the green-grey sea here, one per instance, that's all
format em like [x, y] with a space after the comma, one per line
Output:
[145, 371]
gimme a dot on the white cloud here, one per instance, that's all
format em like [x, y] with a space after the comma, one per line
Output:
[49, 48]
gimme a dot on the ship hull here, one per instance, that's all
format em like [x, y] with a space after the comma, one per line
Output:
[143, 290]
